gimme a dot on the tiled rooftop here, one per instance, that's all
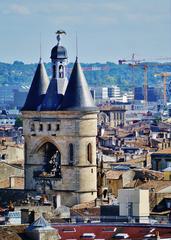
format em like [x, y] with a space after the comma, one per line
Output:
[156, 185]
[114, 174]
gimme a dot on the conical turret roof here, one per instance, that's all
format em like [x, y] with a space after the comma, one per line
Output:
[77, 96]
[38, 89]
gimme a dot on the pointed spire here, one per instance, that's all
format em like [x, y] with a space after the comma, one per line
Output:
[38, 89]
[77, 95]
[52, 99]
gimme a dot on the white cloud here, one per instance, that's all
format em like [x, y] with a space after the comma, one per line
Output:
[18, 9]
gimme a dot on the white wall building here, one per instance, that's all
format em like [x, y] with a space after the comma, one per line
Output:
[134, 203]
[101, 92]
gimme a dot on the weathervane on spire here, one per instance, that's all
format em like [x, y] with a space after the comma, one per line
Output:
[59, 33]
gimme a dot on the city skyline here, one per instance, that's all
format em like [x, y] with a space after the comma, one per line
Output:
[107, 30]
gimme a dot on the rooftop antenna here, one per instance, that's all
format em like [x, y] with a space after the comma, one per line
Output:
[76, 46]
[40, 46]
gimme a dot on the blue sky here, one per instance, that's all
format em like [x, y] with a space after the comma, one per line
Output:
[107, 30]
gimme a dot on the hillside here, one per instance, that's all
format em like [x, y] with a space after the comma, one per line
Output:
[110, 74]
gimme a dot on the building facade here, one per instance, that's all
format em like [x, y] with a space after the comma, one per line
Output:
[153, 94]
[114, 92]
[161, 160]
[101, 93]
[111, 116]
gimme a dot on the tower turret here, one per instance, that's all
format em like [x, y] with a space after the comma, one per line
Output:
[59, 61]
[59, 81]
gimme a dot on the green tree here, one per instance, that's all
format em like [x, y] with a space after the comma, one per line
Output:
[19, 122]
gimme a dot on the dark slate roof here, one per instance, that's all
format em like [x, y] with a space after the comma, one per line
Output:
[154, 128]
[77, 95]
[52, 99]
[58, 52]
[4, 112]
[38, 89]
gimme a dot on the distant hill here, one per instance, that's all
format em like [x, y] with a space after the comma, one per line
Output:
[106, 74]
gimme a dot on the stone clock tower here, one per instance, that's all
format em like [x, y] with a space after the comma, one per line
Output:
[60, 127]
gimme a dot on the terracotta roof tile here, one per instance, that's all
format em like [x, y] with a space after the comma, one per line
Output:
[84, 205]
[114, 174]
[157, 185]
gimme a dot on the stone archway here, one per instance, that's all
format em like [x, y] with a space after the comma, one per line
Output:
[51, 159]
[102, 119]
[41, 141]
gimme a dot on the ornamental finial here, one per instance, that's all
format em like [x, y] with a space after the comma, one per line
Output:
[59, 33]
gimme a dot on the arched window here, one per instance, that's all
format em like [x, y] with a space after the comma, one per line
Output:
[71, 154]
[89, 152]
[51, 166]
[61, 71]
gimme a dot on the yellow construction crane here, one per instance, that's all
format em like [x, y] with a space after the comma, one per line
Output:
[164, 76]
[133, 62]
